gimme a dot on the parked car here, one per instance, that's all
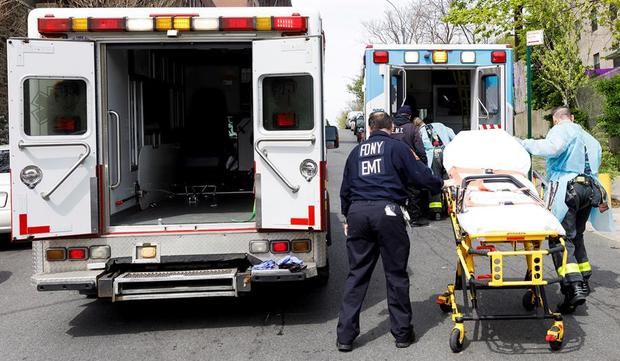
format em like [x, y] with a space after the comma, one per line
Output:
[5, 190]
[351, 117]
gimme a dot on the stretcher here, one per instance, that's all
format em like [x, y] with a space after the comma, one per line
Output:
[497, 215]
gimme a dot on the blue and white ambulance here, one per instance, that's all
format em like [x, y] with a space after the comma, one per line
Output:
[462, 86]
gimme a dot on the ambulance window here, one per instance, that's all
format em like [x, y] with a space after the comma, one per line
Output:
[54, 107]
[288, 103]
[490, 98]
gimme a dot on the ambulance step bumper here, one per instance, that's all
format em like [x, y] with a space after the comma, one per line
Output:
[66, 281]
[173, 284]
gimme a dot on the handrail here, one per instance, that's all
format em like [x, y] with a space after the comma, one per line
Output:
[263, 154]
[485, 109]
[46, 195]
[118, 149]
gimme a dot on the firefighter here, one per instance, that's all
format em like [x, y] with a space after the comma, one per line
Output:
[573, 159]
[407, 131]
[373, 191]
[436, 137]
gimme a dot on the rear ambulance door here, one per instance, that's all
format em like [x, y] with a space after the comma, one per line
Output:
[489, 108]
[288, 136]
[52, 133]
[396, 83]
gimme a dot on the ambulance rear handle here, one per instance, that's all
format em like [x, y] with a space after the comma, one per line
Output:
[46, 195]
[485, 109]
[118, 148]
[263, 154]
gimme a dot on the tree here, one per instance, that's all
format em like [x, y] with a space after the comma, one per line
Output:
[557, 64]
[415, 22]
[356, 88]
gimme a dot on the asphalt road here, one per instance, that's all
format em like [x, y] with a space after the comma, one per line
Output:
[298, 322]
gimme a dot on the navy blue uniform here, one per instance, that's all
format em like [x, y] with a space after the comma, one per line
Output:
[374, 187]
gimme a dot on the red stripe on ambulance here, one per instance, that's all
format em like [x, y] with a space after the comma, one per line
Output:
[305, 221]
[24, 229]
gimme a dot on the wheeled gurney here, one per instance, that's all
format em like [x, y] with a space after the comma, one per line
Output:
[497, 215]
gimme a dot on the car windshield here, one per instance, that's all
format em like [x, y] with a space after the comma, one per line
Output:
[4, 161]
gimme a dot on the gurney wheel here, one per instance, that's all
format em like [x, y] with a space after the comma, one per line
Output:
[529, 301]
[455, 341]
[446, 308]
[555, 345]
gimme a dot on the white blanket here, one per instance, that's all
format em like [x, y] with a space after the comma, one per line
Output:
[496, 207]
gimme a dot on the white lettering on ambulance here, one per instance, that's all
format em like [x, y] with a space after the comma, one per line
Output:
[372, 167]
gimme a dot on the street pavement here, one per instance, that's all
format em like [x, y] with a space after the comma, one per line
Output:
[297, 322]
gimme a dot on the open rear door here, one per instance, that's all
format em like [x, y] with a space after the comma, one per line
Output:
[489, 108]
[53, 138]
[288, 135]
[396, 82]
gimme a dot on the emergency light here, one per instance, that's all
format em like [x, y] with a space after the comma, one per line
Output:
[412, 57]
[183, 22]
[468, 57]
[498, 56]
[381, 57]
[440, 56]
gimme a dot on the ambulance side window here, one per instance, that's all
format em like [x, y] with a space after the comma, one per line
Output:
[54, 107]
[288, 102]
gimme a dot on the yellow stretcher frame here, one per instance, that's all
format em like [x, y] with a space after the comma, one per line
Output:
[526, 244]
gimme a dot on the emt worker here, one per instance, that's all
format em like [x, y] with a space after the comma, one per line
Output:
[573, 159]
[373, 191]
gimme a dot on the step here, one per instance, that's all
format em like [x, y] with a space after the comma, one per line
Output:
[175, 284]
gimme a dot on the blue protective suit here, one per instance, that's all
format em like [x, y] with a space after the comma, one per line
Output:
[445, 134]
[564, 149]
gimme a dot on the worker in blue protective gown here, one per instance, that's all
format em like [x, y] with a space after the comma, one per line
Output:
[573, 159]
[436, 137]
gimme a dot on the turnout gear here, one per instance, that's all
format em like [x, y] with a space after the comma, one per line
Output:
[438, 136]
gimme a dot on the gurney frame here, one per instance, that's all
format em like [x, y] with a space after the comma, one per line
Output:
[526, 244]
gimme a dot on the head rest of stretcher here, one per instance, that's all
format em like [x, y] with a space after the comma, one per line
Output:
[492, 149]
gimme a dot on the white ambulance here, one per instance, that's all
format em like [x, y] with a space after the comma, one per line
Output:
[166, 152]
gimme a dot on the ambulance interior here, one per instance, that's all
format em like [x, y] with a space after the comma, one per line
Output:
[445, 96]
[180, 134]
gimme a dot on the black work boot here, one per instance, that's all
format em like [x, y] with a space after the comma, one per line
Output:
[586, 287]
[576, 295]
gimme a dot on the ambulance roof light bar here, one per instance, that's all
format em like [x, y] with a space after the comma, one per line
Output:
[295, 24]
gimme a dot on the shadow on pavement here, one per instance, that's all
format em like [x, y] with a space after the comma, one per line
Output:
[521, 337]
[5, 275]
[269, 305]
[426, 316]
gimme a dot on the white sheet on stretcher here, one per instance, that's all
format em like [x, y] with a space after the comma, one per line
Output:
[497, 207]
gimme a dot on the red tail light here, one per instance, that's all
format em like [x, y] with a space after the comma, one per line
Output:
[54, 25]
[106, 24]
[498, 57]
[232, 24]
[280, 246]
[285, 120]
[78, 254]
[290, 24]
[381, 57]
